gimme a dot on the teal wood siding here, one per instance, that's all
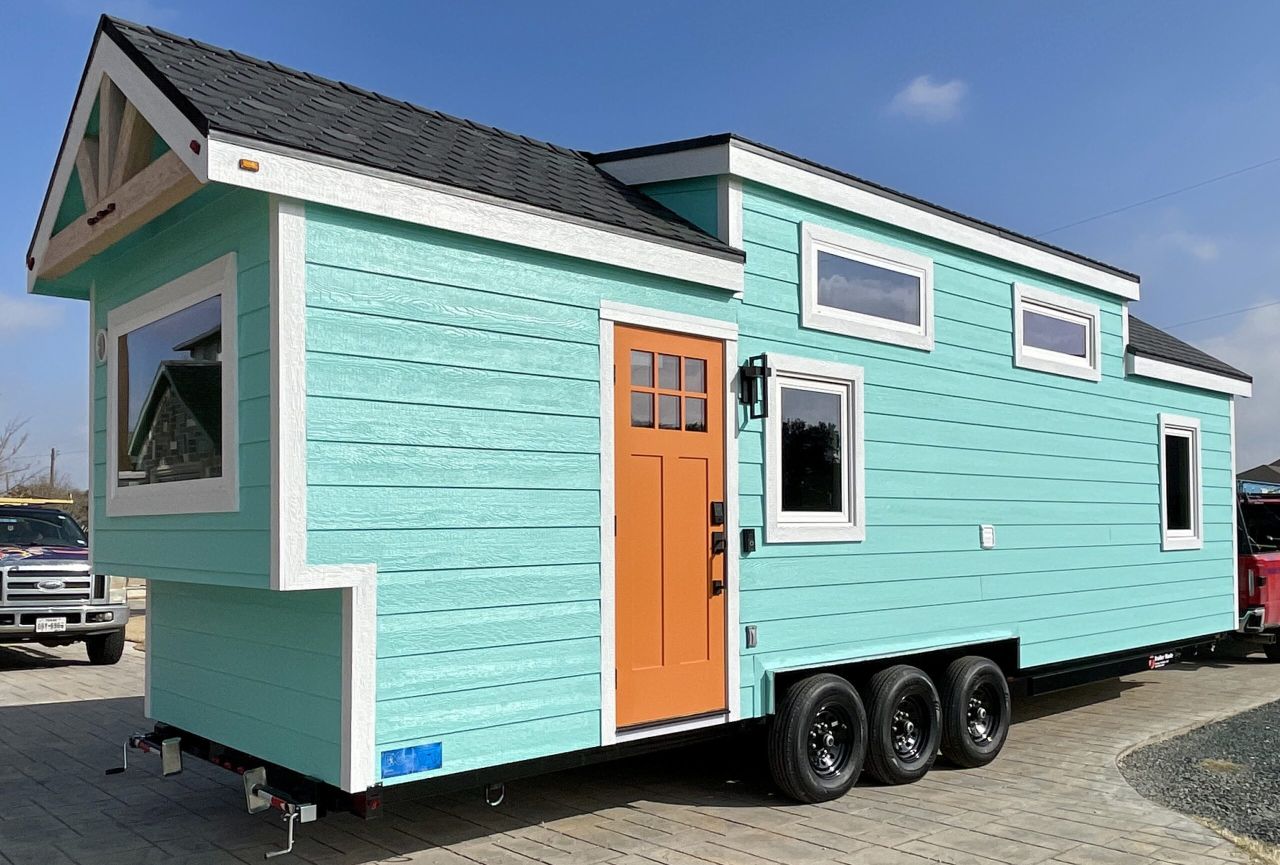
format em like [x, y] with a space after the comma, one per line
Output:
[695, 199]
[220, 548]
[251, 668]
[1066, 470]
[453, 438]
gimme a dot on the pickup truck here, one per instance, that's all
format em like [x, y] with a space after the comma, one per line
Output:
[1259, 569]
[47, 593]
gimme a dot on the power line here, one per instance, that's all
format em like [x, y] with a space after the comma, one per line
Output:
[1161, 196]
[1223, 314]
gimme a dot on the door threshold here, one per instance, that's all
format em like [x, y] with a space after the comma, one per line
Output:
[672, 725]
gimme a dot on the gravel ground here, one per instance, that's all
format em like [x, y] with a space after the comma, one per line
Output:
[1227, 772]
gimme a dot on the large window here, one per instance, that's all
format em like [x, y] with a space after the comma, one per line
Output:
[172, 397]
[814, 463]
[1181, 523]
[866, 289]
[1058, 334]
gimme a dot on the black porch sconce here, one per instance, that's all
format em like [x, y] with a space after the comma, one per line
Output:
[753, 388]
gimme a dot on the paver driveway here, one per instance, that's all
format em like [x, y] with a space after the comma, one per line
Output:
[1054, 795]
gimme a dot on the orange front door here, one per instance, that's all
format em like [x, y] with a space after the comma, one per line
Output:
[670, 590]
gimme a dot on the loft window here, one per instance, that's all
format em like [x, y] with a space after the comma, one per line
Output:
[814, 463]
[171, 431]
[1181, 522]
[1057, 334]
[862, 288]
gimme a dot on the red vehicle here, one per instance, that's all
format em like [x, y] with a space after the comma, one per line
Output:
[1258, 572]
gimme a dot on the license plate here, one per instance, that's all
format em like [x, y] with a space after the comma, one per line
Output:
[50, 626]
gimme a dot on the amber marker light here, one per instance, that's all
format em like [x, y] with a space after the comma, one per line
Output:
[248, 165]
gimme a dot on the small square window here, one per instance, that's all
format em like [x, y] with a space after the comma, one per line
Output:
[695, 375]
[668, 372]
[695, 414]
[1181, 521]
[641, 409]
[641, 368]
[1057, 334]
[668, 412]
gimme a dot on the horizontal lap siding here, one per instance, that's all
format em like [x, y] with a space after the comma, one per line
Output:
[1067, 471]
[453, 439]
[251, 668]
[230, 549]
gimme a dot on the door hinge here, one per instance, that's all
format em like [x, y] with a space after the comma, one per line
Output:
[615, 525]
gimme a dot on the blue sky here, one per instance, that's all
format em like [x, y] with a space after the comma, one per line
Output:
[1029, 115]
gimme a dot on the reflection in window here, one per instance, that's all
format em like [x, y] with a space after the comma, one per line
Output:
[669, 412]
[668, 372]
[641, 368]
[811, 464]
[641, 409]
[1051, 333]
[1177, 482]
[695, 414]
[855, 286]
[695, 375]
[170, 397]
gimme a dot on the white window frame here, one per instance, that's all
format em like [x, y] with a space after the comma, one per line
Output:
[201, 495]
[816, 239]
[1182, 539]
[1028, 298]
[800, 527]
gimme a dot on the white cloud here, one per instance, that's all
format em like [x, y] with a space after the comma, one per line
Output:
[23, 313]
[929, 100]
[1196, 245]
[1253, 345]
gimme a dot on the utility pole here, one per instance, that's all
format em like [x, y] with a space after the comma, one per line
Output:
[53, 455]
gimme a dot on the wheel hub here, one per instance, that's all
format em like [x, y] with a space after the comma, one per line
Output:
[982, 716]
[907, 733]
[830, 741]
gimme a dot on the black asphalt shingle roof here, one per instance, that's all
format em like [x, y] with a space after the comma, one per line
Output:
[1148, 341]
[230, 92]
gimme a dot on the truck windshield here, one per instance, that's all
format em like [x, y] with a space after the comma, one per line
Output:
[1259, 525]
[31, 530]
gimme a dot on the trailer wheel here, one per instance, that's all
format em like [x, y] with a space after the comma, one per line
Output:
[105, 648]
[905, 723]
[975, 711]
[818, 739]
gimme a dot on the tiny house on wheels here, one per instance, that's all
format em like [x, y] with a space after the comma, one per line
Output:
[450, 454]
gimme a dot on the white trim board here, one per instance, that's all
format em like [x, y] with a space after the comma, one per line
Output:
[106, 58]
[1193, 538]
[747, 163]
[304, 176]
[727, 332]
[289, 568]
[1050, 304]
[1149, 367]
[1235, 507]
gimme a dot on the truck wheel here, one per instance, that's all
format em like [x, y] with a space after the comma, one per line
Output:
[975, 711]
[905, 723]
[105, 648]
[818, 739]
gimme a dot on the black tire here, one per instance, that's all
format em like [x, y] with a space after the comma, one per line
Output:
[809, 768]
[904, 727]
[1272, 650]
[975, 711]
[105, 648]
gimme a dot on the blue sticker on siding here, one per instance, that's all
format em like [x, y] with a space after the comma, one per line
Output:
[408, 761]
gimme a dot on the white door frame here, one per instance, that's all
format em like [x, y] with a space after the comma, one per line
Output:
[727, 332]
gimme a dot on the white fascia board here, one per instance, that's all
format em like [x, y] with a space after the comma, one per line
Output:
[1185, 375]
[309, 177]
[172, 125]
[768, 170]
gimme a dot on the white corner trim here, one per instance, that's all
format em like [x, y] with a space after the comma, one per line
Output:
[851, 524]
[1189, 428]
[202, 495]
[1124, 329]
[1149, 367]
[146, 660]
[729, 210]
[772, 170]
[290, 570]
[611, 313]
[1235, 507]
[1048, 303]
[815, 239]
[312, 178]
[93, 429]
[172, 125]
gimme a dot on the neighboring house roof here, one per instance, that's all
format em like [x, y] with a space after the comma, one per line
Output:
[233, 93]
[211, 335]
[197, 384]
[852, 180]
[1148, 341]
[1268, 473]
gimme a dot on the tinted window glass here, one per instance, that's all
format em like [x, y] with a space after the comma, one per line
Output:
[170, 392]
[859, 287]
[812, 477]
[1054, 334]
[1177, 482]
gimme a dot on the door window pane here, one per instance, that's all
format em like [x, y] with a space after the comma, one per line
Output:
[170, 398]
[1051, 333]
[669, 412]
[695, 375]
[641, 368]
[1177, 482]
[855, 286]
[641, 409]
[695, 414]
[668, 372]
[812, 475]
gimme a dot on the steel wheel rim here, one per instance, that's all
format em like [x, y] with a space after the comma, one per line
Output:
[982, 718]
[830, 740]
[909, 729]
